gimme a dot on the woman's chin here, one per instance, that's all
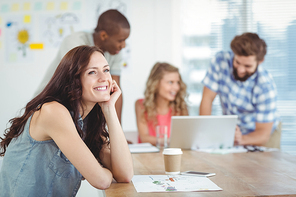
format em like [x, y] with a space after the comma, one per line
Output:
[172, 98]
[104, 98]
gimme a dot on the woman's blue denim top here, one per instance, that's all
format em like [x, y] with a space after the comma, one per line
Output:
[37, 168]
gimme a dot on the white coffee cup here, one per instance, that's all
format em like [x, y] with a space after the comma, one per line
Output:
[172, 160]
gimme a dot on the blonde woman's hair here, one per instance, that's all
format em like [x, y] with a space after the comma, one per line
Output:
[178, 106]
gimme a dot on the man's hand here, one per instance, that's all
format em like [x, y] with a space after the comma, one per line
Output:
[238, 136]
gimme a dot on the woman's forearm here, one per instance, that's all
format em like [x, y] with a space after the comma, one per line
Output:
[120, 156]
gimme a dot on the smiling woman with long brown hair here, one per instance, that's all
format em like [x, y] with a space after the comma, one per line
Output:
[62, 135]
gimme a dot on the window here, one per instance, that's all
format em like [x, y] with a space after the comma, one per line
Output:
[209, 27]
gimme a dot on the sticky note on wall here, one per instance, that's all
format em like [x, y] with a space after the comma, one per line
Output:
[64, 6]
[38, 6]
[15, 7]
[27, 19]
[35, 46]
[50, 6]
[27, 6]
[4, 8]
[77, 5]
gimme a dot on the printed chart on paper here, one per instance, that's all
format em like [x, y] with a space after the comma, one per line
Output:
[173, 183]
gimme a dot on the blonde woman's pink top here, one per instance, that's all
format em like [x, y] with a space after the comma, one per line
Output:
[161, 120]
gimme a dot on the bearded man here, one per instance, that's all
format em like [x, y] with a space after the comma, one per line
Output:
[245, 89]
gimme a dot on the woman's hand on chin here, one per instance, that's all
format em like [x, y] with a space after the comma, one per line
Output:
[114, 95]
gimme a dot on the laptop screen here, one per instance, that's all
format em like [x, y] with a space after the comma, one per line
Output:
[203, 132]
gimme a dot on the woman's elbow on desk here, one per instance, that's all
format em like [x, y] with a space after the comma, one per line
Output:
[102, 185]
[101, 180]
[125, 177]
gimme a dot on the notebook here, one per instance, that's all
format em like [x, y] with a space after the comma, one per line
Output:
[142, 148]
[203, 132]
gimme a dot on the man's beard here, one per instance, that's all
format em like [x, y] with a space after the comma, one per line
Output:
[244, 78]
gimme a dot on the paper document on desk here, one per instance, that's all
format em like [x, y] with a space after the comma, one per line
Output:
[173, 183]
[143, 148]
[238, 149]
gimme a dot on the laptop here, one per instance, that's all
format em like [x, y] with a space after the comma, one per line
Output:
[203, 132]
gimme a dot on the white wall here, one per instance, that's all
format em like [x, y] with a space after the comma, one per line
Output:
[154, 37]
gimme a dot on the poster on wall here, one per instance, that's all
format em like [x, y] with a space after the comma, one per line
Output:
[27, 27]
[54, 28]
[30, 26]
[19, 33]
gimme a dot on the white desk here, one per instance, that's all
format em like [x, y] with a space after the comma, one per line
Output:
[88, 190]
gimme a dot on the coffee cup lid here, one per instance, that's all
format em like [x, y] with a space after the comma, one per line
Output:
[172, 151]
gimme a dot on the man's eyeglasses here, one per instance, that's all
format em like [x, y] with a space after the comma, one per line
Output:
[253, 148]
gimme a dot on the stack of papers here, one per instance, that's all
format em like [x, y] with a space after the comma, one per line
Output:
[173, 183]
[143, 148]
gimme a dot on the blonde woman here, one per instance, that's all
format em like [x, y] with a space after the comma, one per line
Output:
[164, 97]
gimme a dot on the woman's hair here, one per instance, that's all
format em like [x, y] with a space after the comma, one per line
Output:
[65, 88]
[178, 106]
[249, 44]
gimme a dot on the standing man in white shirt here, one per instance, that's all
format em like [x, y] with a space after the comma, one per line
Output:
[110, 34]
